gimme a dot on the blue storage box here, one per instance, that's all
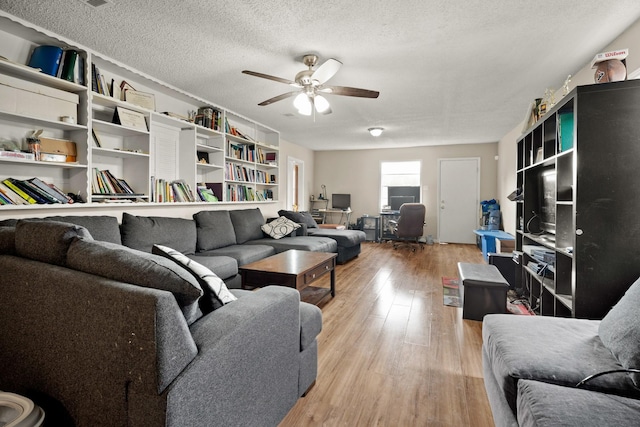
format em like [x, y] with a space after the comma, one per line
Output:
[47, 58]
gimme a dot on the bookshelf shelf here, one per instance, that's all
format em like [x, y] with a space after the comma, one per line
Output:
[168, 149]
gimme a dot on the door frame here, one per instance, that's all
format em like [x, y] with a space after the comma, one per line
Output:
[291, 163]
[478, 177]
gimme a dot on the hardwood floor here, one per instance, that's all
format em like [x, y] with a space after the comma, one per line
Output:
[390, 352]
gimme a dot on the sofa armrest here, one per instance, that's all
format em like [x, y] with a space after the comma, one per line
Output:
[89, 341]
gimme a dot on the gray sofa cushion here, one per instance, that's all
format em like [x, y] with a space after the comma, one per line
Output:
[620, 330]
[243, 254]
[46, 241]
[246, 224]
[299, 217]
[142, 232]
[537, 347]
[7, 240]
[214, 229]
[224, 266]
[128, 265]
[215, 291]
[303, 243]
[345, 238]
[548, 405]
[104, 228]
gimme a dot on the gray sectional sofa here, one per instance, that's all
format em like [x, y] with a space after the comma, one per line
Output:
[100, 334]
[533, 365]
[221, 240]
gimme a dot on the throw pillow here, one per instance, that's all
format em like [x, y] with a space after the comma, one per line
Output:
[619, 330]
[46, 241]
[300, 217]
[117, 262]
[280, 227]
[216, 293]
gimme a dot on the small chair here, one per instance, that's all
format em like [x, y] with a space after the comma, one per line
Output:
[409, 227]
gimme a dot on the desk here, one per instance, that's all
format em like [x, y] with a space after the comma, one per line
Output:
[386, 231]
[343, 215]
[489, 240]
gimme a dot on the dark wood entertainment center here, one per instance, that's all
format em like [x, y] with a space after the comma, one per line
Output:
[590, 144]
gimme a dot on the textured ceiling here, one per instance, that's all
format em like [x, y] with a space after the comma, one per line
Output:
[448, 71]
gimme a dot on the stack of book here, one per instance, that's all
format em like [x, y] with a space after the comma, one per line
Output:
[164, 191]
[30, 191]
[209, 118]
[104, 183]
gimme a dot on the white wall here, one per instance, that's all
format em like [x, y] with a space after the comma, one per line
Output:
[358, 172]
[507, 145]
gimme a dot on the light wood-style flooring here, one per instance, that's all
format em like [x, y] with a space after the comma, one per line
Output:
[390, 352]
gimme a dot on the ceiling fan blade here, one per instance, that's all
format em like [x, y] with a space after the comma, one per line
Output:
[268, 77]
[350, 91]
[278, 98]
[327, 70]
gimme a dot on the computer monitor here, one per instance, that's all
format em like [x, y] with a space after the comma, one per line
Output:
[341, 201]
[394, 191]
[397, 201]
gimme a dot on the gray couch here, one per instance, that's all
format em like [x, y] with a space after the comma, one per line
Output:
[98, 334]
[221, 240]
[532, 366]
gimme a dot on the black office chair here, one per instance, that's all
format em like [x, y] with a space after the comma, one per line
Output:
[409, 227]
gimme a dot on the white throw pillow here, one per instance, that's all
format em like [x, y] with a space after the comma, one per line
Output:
[215, 290]
[280, 227]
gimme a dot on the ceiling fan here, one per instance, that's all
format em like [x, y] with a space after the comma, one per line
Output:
[311, 86]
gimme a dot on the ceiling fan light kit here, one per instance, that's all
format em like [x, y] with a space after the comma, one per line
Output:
[376, 131]
[310, 84]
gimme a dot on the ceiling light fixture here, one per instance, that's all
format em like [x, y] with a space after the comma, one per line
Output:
[375, 131]
[302, 102]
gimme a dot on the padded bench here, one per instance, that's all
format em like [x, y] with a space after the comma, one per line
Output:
[483, 290]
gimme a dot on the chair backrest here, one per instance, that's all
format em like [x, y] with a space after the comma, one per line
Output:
[411, 221]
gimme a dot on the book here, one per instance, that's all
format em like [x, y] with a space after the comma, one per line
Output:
[96, 138]
[12, 195]
[47, 189]
[28, 188]
[69, 65]
[19, 191]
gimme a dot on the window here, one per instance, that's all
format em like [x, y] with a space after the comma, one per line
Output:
[399, 183]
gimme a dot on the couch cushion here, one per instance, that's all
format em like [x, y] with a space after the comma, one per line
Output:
[102, 227]
[243, 254]
[300, 217]
[215, 230]
[215, 291]
[280, 227]
[128, 265]
[223, 266]
[7, 240]
[142, 232]
[246, 224]
[303, 243]
[548, 405]
[46, 241]
[620, 330]
[345, 238]
[551, 349]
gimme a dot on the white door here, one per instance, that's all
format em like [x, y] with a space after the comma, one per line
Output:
[459, 199]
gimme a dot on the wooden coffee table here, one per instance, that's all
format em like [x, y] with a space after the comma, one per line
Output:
[295, 269]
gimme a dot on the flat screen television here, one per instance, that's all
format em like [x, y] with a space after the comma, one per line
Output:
[341, 201]
[398, 191]
[397, 201]
[547, 197]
